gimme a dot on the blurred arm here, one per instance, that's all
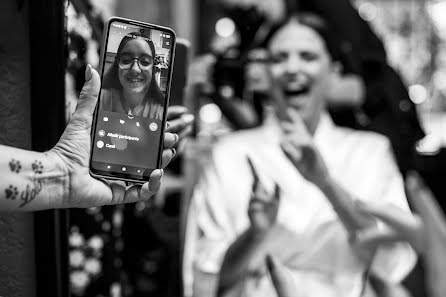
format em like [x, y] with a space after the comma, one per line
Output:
[247, 254]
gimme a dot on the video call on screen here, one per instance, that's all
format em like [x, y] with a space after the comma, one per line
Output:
[132, 100]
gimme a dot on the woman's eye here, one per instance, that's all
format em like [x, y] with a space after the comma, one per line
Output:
[278, 58]
[126, 60]
[146, 61]
[307, 56]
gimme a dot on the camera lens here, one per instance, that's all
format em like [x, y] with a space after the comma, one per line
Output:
[141, 31]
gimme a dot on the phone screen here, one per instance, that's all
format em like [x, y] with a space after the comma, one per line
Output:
[130, 118]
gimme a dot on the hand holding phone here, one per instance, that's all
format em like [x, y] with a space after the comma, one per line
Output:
[130, 120]
[72, 152]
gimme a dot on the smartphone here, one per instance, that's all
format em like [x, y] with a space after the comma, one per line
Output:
[179, 74]
[130, 117]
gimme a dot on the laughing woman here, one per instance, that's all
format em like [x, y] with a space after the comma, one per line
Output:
[289, 188]
[129, 86]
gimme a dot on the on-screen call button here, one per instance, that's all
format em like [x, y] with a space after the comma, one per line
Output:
[153, 126]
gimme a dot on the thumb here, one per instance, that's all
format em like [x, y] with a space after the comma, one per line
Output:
[88, 96]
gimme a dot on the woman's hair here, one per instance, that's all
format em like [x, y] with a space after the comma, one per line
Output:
[315, 22]
[111, 78]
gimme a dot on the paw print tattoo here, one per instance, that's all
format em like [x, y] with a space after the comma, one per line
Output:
[15, 166]
[37, 167]
[11, 192]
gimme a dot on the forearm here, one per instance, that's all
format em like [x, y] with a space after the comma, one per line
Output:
[344, 205]
[247, 254]
[240, 258]
[31, 180]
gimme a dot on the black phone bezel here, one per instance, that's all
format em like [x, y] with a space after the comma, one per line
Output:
[117, 175]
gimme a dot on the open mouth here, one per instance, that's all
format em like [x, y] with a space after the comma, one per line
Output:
[297, 91]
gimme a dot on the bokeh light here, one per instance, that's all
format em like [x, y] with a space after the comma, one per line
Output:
[225, 27]
[418, 94]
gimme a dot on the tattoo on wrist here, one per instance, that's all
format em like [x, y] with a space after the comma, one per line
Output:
[32, 190]
[15, 165]
[11, 192]
[37, 167]
[27, 195]
[30, 193]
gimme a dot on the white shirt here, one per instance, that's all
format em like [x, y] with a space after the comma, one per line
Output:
[324, 264]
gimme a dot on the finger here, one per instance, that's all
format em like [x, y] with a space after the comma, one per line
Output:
[279, 101]
[402, 221]
[261, 194]
[169, 140]
[254, 174]
[118, 190]
[282, 283]
[405, 224]
[424, 202]
[287, 127]
[132, 194]
[256, 205]
[175, 111]
[152, 187]
[293, 154]
[88, 97]
[373, 237]
[177, 125]
[297, 121]
[167, 156]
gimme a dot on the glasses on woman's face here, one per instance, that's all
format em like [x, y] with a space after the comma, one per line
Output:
[125, 61]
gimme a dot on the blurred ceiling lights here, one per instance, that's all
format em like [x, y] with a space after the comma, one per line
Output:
[225, 27]
[437, 11]
[210, 113]
[368, 11]
[418, 94]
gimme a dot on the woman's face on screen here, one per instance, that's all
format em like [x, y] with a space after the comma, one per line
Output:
[135, 66]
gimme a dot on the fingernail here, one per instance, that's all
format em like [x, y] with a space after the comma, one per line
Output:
[188, 118]
[411, 180]
[176, 137]
[174, 152]
[155, 186]
[88, 74]
[167, 125]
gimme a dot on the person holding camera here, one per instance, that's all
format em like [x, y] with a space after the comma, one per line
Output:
[288, 188]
